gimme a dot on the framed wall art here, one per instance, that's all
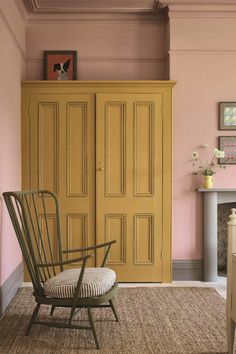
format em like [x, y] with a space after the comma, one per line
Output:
[60, 65]
[227, 116]
[228, 144]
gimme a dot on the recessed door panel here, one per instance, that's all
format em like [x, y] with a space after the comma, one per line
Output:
[49, 238]
[144, 148]
[116, 229]
[144, 238]
[130, 126]
[48, 120]
[77, 144]
[115, 164]
[62, 156]
[77, 232]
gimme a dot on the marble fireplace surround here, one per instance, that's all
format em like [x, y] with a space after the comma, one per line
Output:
[211, 198]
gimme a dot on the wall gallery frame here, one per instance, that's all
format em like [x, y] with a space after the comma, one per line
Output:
[228, 144]
[60, 65]
[227, 116]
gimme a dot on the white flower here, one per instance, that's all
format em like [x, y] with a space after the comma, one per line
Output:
[219, 153]
[222, 154]
[209, 166]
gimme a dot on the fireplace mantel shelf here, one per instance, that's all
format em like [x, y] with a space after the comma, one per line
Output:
[211, 198]
[217, 190]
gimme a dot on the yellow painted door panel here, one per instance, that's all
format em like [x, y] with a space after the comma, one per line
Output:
[62, 137]
[129, 183]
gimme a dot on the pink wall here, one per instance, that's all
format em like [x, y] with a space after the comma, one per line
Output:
[106, 49]
[12, 39]
[202, 60]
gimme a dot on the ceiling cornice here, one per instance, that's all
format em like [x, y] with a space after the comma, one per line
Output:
[91, 6]
[204, 8]
[80, 11]
[120, 11]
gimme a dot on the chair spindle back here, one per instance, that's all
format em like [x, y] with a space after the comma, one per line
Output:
[36, 220]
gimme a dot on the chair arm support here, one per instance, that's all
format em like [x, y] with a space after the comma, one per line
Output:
[64, 262]
[77, 290]
[90, 247]
[106, 244]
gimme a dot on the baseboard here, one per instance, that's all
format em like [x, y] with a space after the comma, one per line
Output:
[10, 287]
[187, 269]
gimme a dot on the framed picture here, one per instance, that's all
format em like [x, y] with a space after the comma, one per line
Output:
[60, 65]
[228, 144]
[227, 116]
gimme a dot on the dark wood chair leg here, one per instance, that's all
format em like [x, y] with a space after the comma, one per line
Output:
[33, 317]
[52, 310]
[92, 324]
[114, 310]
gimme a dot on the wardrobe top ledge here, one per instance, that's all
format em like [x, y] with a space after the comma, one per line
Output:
[97, 83]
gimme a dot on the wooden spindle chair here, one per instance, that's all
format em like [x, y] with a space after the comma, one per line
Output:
[35, 216]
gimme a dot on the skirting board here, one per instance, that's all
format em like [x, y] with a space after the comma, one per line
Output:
[10, 287]
[187, 269]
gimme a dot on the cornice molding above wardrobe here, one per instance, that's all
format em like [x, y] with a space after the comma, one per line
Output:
[41, 11]
[200, 8]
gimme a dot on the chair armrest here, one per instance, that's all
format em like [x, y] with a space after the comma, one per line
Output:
[89, 248]
[64, 262]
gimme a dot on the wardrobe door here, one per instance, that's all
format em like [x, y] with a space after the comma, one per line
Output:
[62, 158]
[129, 183]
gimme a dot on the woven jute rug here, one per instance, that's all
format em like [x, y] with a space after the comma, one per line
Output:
[152, 320]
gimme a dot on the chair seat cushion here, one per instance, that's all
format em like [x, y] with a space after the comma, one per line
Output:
[96, 282]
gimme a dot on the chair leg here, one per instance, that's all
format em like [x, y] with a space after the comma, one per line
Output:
[114, 310]
[52, 310]
[92, 324]
[72, 312]
[33, 317]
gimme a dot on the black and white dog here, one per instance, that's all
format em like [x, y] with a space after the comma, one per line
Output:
[62, 70]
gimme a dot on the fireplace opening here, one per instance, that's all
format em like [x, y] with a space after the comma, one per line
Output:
[223, 212]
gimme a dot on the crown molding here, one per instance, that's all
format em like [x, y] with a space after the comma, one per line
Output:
[120, 11]
[201, 8]
[110, 11]
[201, 15]
[94, 6]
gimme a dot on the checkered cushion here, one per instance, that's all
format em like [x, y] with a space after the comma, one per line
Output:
[96, 282]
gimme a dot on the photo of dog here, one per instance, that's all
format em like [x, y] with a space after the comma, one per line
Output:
[62, 70]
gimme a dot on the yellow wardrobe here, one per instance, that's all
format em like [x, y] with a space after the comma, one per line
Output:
[104, 147]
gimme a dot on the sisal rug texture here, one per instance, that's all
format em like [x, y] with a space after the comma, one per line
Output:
[152, 320]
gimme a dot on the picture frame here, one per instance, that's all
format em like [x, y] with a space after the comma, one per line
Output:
[60, 65]
[227, 116]
[228, 144]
